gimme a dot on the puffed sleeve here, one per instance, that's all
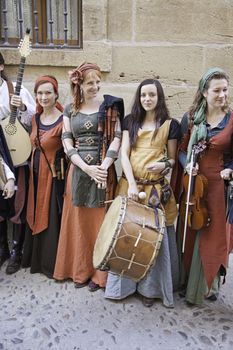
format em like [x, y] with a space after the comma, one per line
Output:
[8, 172]
[175, 130]
[28, 101]
[126, 122]
[67, 111]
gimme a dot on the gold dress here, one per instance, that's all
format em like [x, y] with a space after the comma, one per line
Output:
[161, 278]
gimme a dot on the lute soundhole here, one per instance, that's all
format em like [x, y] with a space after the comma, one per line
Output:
[10, 129]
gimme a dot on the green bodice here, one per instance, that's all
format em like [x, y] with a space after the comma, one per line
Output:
[84, 128]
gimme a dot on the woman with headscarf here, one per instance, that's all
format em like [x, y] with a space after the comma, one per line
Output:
[209, 122]
[91, 138]
[46, 182]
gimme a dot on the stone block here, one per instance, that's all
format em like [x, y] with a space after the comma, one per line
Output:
[220, 57]
[184, 21]
[179, 99]
[173, 64]
[120, 20]
[94, 20]
[99, 52]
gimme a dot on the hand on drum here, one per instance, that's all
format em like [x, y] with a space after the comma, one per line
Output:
[133, 192]
[98, 174]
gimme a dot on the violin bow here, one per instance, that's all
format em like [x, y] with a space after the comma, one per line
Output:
[198, 148]
[187, 200]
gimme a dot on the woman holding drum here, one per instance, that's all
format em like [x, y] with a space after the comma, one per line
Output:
[91, 139]
[148, 152]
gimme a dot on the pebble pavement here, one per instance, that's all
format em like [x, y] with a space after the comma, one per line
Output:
[37, 313]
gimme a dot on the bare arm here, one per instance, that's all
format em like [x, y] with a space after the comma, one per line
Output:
[158, 167]
[171, 151]
[127, 168]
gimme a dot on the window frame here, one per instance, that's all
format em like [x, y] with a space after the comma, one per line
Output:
[58, 44]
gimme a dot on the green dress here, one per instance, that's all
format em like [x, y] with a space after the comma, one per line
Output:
[84, 190]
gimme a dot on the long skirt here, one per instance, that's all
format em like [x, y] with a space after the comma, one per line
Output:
[197, 288]
[79, 230]
[15, 207]
[161, 280]
[40, 250]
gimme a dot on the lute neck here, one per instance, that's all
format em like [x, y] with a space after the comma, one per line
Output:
[18, 88]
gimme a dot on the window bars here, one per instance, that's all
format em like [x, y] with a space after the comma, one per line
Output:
[54, 23]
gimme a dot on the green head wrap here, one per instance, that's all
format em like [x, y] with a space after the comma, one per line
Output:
[199, 130]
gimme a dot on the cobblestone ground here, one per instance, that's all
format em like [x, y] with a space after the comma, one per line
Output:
[37, 313]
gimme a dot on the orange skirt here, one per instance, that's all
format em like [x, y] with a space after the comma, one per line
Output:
[79, 230]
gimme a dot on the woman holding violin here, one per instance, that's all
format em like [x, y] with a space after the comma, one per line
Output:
[206, 155]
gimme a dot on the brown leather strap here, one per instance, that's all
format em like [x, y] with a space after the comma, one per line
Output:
[10, 87]
[147, 182]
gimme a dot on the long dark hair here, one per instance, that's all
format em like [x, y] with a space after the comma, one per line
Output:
[138, 113]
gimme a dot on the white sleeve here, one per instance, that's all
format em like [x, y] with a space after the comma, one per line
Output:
[27, 99]
[4, 101]
[8, 172]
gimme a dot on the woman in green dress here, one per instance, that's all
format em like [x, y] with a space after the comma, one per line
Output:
[91, 139]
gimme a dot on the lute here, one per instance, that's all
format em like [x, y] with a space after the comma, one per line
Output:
[17, 138]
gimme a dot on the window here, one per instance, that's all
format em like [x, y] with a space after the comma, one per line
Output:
[54, 24]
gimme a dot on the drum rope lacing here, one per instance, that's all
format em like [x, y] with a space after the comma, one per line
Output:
[160, 229]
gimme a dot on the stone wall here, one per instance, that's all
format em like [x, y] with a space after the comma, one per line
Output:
[173, 40]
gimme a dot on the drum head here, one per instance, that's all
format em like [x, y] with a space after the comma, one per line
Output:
[107, 232]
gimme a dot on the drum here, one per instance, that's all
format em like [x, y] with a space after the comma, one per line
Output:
[129, 239]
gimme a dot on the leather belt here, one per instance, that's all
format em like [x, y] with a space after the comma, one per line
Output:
[147, 182]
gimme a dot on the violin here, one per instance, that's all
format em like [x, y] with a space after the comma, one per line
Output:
[193, 207]
[197, 212]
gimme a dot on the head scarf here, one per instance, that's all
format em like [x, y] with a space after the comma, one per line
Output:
[42, 80]
[77, 77]
[199, 130]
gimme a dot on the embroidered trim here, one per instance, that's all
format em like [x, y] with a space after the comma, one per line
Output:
[112, 154]
[88, 124]
[66, 135]
[89, 141]
[88, 158]
[71, 152]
